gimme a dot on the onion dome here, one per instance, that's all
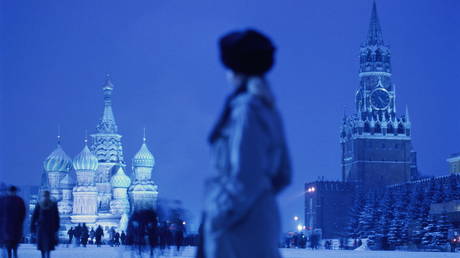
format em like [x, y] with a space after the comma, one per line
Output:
[85, 160]
[120, 179]
[58, 160]
[143, 158]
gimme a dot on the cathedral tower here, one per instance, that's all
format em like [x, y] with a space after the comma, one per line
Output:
[57, 165]
[120, 183]
[108, 150]
[376, 142]
[143, 191]
[85, 193]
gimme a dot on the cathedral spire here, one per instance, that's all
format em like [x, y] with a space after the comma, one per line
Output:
[107, 123]
[59, 135]
[374, 36]
[407, 115]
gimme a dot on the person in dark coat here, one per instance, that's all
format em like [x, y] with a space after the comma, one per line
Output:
[138, 229]
[2, 218]
[116, 239]
[70, 233]
[123, 238]
[163, 233]
[91, 236]
[179, 235]
[77, 234]
[14, 212]
[152, 230]
[84, 235]
[99, 234]
[45, 223]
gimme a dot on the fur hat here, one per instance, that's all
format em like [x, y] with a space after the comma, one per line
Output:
[248, 52]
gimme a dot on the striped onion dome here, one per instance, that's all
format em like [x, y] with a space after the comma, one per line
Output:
[143, 158]
[58, 161]
[120, 179]
[85, 160]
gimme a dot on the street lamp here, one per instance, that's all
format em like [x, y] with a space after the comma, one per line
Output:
[296, 218]
[299, 227]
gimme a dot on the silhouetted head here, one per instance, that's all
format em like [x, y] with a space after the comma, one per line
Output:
[12, 190]
[247, 52]
[46, 195]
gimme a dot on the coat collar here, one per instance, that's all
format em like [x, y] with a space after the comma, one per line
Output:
[258, 86]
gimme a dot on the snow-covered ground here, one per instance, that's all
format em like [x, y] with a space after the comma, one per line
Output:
[29, 251]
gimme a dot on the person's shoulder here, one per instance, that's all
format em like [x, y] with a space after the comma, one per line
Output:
[246, 103]
[246, 99]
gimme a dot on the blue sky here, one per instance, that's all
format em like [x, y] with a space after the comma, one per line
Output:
[163, 59]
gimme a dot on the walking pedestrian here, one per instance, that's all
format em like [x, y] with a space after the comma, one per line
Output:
[13, 214]
[84, 235]
[77, 234]
[152, 230]
[123, 237]
[164, 235]
[138, 230]
[70, 233]
[2, 218]
[250, 156]
[91, 236]
[116, 239]
[45, 223]
[179, 235]
[99, 234]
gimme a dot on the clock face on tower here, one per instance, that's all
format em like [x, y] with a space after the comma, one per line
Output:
[380, 99]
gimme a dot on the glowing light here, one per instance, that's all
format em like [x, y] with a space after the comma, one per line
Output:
[299, 227]
[183, 223]
[311, 189]
[296, 218]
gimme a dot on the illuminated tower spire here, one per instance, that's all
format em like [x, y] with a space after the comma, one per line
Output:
[374, 36]
[107, 123]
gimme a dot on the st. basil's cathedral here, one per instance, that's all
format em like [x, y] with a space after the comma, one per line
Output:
[93, 187]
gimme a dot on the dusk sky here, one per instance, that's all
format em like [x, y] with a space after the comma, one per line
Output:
[162, 56]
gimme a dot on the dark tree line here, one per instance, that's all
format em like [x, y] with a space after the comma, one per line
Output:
[400, 215]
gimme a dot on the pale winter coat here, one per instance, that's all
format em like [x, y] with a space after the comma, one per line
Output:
[241, 217]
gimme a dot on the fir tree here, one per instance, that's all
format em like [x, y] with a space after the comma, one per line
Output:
[354, 213]
[386, 209]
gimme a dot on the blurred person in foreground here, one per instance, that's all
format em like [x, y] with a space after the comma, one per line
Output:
[241, 217]
[2, 218]
[45, 224]
[142, 232]
[13, 213]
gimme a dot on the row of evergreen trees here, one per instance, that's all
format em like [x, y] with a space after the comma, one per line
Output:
[400, 215]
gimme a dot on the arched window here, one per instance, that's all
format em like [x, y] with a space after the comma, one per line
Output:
[378, 55]
[401, 129]
[390, 129]
[369, 56]
[367, 128]
[377, 128]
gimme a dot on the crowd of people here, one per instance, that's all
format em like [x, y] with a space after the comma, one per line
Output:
[144, 232]
[82, 236]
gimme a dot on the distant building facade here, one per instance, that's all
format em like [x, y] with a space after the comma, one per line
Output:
[326, 204]
[93, 187]
[376, 143]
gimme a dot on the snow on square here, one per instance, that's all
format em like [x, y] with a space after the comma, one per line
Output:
[29, 251]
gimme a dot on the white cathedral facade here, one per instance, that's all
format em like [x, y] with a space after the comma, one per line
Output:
[93, 187]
